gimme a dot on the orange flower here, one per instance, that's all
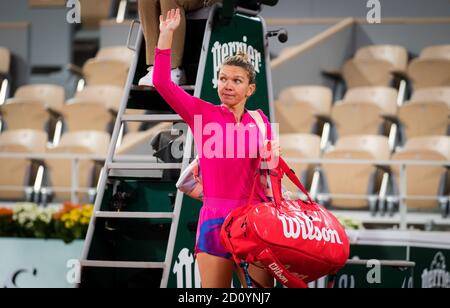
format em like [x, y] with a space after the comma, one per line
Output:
[6, 212]
[67, 208]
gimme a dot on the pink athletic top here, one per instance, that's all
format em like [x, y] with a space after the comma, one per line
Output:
[227, 181]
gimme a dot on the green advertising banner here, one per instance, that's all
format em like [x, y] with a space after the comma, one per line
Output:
[432, 267]
[428, 251]
[373, 273]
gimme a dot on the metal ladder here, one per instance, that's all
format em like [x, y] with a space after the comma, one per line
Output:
[111, 166]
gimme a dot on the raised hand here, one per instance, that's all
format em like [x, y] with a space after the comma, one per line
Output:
[171, 22]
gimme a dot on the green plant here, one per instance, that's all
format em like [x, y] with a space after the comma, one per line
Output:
[72, 222]
[349, 223]
[6, 221]
[32, 220]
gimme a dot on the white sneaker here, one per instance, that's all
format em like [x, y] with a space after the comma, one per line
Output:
[147, 80]
[178, 76]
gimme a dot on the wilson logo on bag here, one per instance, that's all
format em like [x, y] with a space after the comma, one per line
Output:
[293, 227]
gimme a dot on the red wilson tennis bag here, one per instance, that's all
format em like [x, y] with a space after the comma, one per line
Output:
[296, 241]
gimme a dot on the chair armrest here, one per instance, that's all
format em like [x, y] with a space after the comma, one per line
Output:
[55, 113]
[391, 118]
[324, 118]
[332, 74]
[384, 168]
[400, 75]
[74, 69]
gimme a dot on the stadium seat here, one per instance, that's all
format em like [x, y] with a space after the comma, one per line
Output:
[5, 60]
[431, 68]
[47, 3]
[93, 12]
[141, 140]
[430, 181]
[59, 171]
[427, 113]
[5, 64]
[365, 110]
[107, 95]
[109, 67]
[19, 172]
[355, 179]
[52, 96]
[133, 127]
[33, 106]
[93, 108]
[298, 146]
[88, 116]
[299, 108]
[374, 65]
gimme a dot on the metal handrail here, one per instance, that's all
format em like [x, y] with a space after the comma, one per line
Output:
[368, 161]
[393, 263]
[401, 196]
[45, 156]
[374, 162]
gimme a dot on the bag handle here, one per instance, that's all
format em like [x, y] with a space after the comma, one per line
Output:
[259, 122]
[257, 173]
[283, 168]
[256, 116]
[276, 175]
[279, 271]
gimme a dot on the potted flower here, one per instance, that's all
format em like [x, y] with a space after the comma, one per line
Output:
[32, 221]
[72, 221]
[6, 222]
[28, 220]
